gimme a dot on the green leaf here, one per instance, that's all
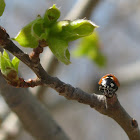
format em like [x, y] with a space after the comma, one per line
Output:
[59, 49]
[63, 32]
[25, 37]
[72, 30]
[15, 62]
[90, 48]
[82, 27]
[38, 30]
[51, 15]
[6, 59]
[6, 65]
[77, 29]
[0, 59]
[5, 54]
[59, 27]
[2, 7]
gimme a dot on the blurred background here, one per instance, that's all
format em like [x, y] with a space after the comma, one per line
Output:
[119, 39]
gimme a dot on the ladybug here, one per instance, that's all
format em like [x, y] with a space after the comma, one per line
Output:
[108, 85]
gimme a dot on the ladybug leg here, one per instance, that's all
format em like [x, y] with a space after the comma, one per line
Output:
[105, 92]
[108, 94]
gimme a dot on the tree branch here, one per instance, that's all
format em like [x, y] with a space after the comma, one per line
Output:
[34, 117]
[107, 106]
[82, 9]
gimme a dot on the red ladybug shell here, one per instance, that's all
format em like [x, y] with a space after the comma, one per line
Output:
[110, 75]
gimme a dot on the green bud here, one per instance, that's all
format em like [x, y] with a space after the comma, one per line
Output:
[51, 15]
[9, 67]
[15, 62]
[5, 54]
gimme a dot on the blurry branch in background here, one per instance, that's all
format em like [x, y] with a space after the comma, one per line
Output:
[24, 103]
[10, 127]
[34, 117]
[82, 9]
